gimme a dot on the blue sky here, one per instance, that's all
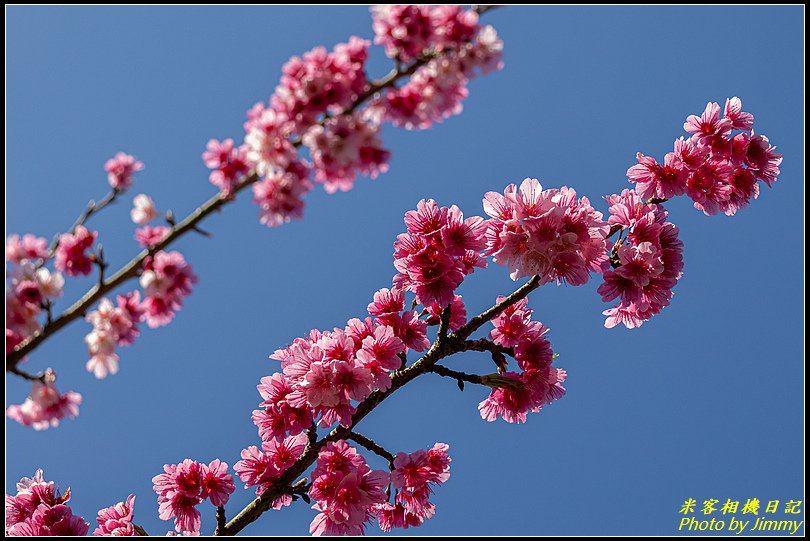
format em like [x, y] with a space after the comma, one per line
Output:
[704, 401]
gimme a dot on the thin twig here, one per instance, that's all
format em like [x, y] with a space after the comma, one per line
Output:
[92, 208]
[475, 323]
[132, 269]
[374, 447]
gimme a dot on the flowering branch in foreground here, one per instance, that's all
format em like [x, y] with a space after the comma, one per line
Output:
[324, 103]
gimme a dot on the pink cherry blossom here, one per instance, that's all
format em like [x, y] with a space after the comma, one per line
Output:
[709, 124]
[112, 325]
[27, 247]
[120, 170]
[717, 168]
[546, 233]
[415, 474]
[321, 81]
[659, 181]
[31, 494]
[387, 301]
[404, 30]
[740, 120]
[260, 468]
[183, 486]
[45, 407]
[280, 195]
[458, 314]
[648, 261]
[27, 290]
[166, 280]
[344, 146]
[345, 490]
[117, 520]
[279, 418]
[396, 516]
[229, 164]
[151, 235]
[430, 257]
[71, 256]
[143, 210]
[436, 90]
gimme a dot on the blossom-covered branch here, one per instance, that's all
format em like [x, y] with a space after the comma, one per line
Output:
[325, 104]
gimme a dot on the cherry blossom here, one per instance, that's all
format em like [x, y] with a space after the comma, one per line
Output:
[548, 233]
[647, 261]
[143, 210]
[112, 325]
[346, 491]
[183, 486]
[71, 257]
[166, 280]
[38, 508]
[45, 407]
[117, 520]
[120, 170]
[717, 168]
[27, 247]
[229, 164]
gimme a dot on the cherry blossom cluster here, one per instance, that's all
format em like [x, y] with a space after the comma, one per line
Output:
[440, 248]
[413, 478]
[261, 468]
[45, 406]
[648, 261]
[72, 255]
[717, 167]
[38, 508]
[184, 486]
[346, 491]
[166, 280]
[112, 325]
[330, 370]
[31, 287]
[117, 520]
[462, 48]
[317, 105]
[538, 383]
[545, 233]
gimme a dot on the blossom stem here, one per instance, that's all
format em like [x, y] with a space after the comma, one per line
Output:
[456, 375]
[25, 375]
[92, 208]
[372, 446]
[475, 323]
[221, 520]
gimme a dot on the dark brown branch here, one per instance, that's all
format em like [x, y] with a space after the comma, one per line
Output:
[221, 520]
[372, 446]
[475, 323]
[25, 375]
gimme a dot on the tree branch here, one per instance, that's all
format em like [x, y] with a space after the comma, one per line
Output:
[131, 269]
[372, 446]
[427, 363]
[475, 323]
[92, 208]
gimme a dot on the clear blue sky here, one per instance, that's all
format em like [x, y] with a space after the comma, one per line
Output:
[704, 401]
